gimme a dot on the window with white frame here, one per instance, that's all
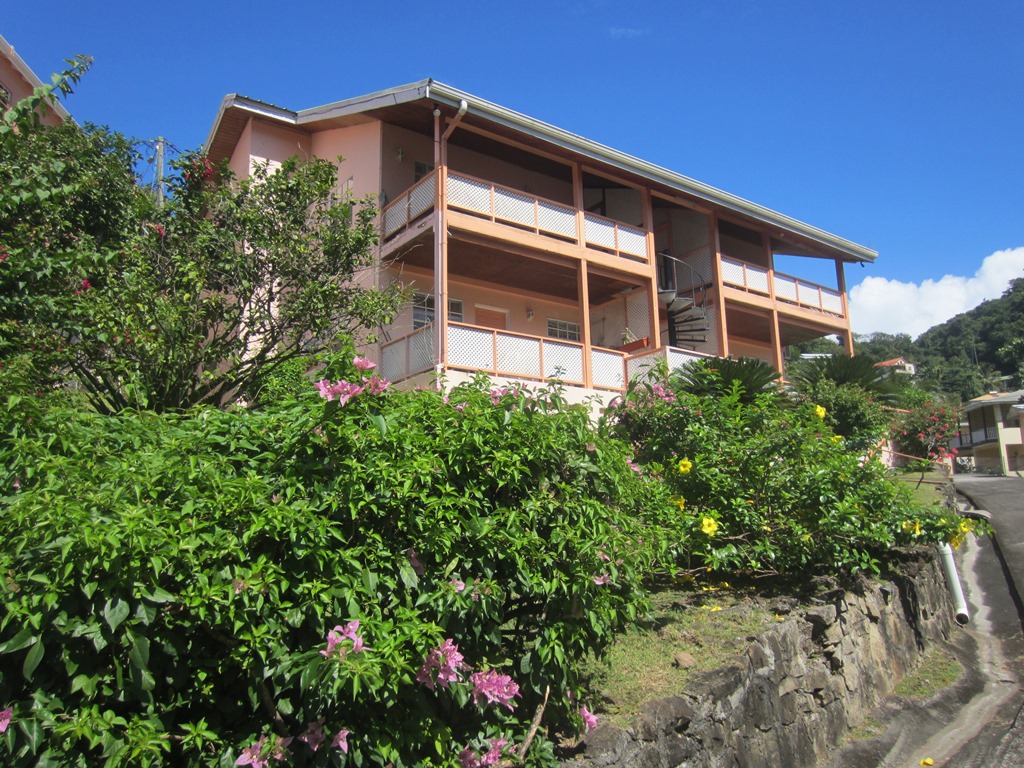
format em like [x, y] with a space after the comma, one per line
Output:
[563, 329]
[423, 310]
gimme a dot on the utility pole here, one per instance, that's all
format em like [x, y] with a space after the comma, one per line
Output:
[160, 171]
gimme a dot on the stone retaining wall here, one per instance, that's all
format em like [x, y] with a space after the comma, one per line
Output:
[798, 688]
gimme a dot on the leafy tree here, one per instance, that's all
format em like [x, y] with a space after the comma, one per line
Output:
[877, 347]
[168, 307]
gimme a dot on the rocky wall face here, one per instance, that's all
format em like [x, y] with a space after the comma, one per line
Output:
[797, 689]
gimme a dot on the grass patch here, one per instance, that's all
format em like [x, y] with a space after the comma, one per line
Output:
[712, 624]
[869, 729]
[939, 669]
[928, 487]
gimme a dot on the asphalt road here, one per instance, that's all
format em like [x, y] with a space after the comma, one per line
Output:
[996, 586]
[979, 721]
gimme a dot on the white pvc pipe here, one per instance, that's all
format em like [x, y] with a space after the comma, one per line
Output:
[953, 582]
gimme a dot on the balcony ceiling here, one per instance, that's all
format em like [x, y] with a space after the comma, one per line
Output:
[756, 327]
[538, 277]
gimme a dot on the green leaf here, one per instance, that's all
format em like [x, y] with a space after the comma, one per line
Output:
[21, 640]
[115, 612]
[32, 659]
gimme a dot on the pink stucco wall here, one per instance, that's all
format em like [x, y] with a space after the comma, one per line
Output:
[360, 146]
[273, 143]
[19, 88]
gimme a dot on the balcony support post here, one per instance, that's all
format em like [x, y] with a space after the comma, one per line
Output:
[583, 296]
[440, 250]
[716, 278]
[577, 201]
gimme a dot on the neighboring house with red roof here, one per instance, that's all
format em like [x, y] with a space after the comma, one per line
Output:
[898, 365]
[17, 80]
[537, 254]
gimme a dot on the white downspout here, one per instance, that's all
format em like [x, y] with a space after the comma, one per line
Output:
[962, 615]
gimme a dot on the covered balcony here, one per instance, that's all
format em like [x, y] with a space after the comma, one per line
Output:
[559, 225]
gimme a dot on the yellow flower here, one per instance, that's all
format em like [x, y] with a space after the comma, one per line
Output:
[820, 411]
[681, 503]
[913, 527]
[926, 761]
[709, 525]
[966, 526]
[806, 537]
[835, 438]
[956, 540]
[716, 608]
[685, 465]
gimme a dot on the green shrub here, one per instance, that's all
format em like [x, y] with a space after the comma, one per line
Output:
[765, 487]
[172, 582]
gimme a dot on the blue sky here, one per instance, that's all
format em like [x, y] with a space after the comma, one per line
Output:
[896, 125]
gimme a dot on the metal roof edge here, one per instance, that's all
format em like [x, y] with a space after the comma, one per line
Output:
[421, 89]
[623, 161]
[254, 106]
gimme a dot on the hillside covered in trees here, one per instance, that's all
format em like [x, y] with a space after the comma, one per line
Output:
[968, 355]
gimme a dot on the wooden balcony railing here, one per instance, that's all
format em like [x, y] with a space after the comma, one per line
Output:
[786, 288]
[513, 208]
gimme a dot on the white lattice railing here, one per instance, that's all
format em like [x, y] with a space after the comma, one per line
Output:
[809, 295]
[786, 288]
[675, 358]
[516, 355]
[608, 234]
[408, 355]
[399, 214]
[503, 353]
[545, 217]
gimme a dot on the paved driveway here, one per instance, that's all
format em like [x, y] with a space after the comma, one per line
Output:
[1003, 498]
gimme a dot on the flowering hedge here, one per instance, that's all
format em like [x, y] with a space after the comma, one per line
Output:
[367, 577]
[764, 485]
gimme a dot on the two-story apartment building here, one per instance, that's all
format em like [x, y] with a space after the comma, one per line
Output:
[535, 253]
[993, 432]
[17, 80]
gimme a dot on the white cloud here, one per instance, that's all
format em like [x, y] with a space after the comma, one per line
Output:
[891, 306]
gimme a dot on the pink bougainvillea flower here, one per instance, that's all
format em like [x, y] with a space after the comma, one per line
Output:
[253, 755]
[5, 718]
[468, 758]
[589, 719]
[375, 385]
[342, 391]
[458, 584]
[494, 753]
[341, 740]
[448, 662]
[494, 687]
[363, 364]
[348, 632]
[314, 735]
[602, 579]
